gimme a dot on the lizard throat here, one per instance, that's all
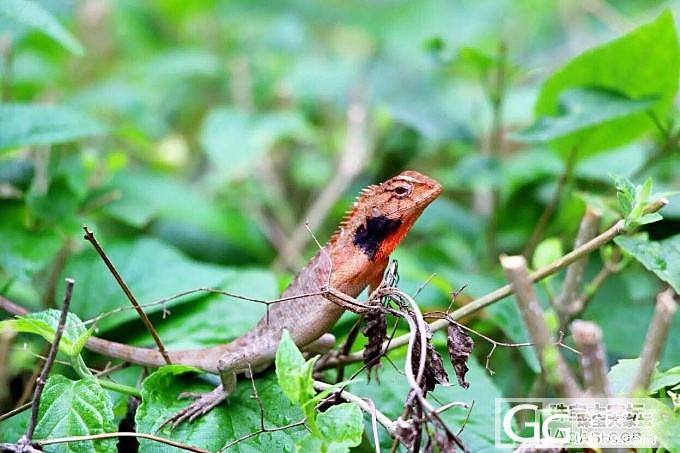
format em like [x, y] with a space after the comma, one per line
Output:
[377, 235]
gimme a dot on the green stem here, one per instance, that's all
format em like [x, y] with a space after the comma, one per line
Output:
[120, 388]
[84, 372]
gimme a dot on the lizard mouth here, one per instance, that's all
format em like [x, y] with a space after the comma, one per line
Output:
[419, 203]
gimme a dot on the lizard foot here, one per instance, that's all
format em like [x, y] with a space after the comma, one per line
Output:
[203, 403]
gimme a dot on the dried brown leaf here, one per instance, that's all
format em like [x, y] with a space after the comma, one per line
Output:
[460, 346]
[434, 372]
[440, 442]
[376, 332]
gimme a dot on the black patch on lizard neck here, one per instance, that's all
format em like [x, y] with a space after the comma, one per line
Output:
[368, 237]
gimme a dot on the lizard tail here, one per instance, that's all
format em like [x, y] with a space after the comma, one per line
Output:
[132, 354]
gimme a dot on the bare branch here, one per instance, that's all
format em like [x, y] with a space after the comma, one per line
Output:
[555, 369]
[566, 302]
[368, 408]
[89, 236]
[163, 440]
[42, 379]
[588, 338]
[504, 291]
[374, 426]
[608, 269]
[494, 343]
[16, 410]
[656, 338]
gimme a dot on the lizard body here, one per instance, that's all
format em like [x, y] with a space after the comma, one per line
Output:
[354, 258]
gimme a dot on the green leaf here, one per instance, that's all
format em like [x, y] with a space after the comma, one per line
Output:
[625, 194]
[152, 270]
[623, 307]
[36, 124]
[185, 216]
[45, 324]
[663, 379]
[660, 257]
[547, 251]
[341, 426]
[31, 14]
[309, 443]
[581, 110]
[666, 424]
[621, 376]
[11, 429]
[649, 218]
[223, 424]
[25, 251]
[642, 63]
[233, 139]
[477, 60]
[75, 408]
[293, 372]
[505, 314]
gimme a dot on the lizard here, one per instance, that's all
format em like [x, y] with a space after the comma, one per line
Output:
[353, 259]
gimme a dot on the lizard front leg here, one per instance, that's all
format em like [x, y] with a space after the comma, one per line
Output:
[204, 402]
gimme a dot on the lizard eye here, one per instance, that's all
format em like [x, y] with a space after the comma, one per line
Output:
[403, 191]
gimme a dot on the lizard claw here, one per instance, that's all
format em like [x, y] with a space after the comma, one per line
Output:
[187, 395]
[203, 403]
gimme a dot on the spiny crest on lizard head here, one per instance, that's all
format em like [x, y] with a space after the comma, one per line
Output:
[383, 213]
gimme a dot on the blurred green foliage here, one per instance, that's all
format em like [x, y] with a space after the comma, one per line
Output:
[193, 137]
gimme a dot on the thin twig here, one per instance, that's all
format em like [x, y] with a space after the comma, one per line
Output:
[556, 369]
[550, 208]
[504, 291]
[347, 346]
[656, 339]
[89, 236]
[566, 302]
[188, 292]
[371, 410]
[163, 440]
[423, 285]
[448, 406]
[258, 432]
[29, 384]
[42, 379]
[608, 269]
[374, 426]
[16, 410]
[494, 343]
[588, 337]
[263, 429]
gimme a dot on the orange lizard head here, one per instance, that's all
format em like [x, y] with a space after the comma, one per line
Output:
[384, 213]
